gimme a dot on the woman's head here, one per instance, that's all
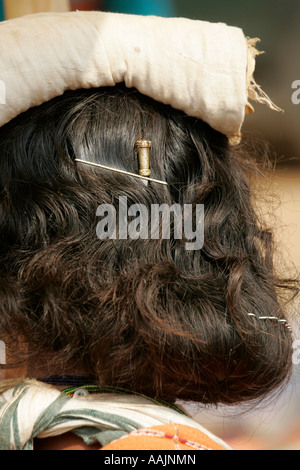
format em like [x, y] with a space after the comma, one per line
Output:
[144, 314]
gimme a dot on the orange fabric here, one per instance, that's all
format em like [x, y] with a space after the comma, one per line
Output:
[166, 437]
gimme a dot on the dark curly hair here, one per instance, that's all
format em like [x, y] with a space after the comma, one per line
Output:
[145, 315]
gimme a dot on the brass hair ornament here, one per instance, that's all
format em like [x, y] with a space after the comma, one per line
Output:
[143, 147]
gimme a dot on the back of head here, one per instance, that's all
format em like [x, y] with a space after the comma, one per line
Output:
[142, 313]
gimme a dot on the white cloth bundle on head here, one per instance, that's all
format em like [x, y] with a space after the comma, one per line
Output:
[204, 69]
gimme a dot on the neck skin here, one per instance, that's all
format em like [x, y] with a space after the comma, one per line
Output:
[43, 374]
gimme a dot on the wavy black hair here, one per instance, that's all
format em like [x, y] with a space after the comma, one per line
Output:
[145, 315]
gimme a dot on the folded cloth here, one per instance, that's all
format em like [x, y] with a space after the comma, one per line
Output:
[31, 410]
[204, 69]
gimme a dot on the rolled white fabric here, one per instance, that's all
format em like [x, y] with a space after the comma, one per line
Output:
[204, 69]
[33, 409]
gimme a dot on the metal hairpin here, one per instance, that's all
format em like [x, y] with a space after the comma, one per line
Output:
[143, 147]
[271, 318]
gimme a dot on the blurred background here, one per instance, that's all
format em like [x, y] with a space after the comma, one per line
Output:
[274, 424]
